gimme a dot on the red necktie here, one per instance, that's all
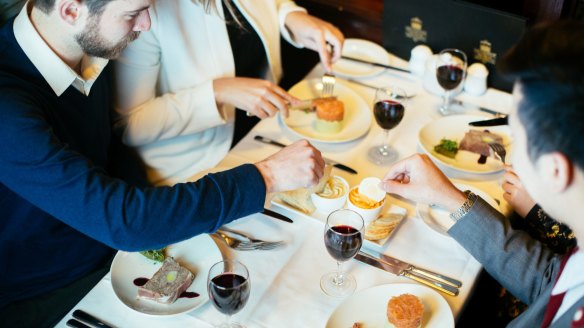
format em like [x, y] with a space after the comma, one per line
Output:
[556, 300]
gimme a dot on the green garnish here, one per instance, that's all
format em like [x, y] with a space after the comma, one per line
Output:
[155, 255]
[447, 147]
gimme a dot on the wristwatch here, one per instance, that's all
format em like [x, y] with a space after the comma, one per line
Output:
[471, 198]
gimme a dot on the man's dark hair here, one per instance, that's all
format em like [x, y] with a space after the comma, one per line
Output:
[96, 7]
[548, 63]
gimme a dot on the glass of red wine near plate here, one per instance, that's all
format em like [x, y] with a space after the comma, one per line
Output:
[228, 286]
[343, 237]
[389, 107]
[450, 72]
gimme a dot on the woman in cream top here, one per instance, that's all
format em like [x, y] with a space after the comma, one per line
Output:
[176, 90]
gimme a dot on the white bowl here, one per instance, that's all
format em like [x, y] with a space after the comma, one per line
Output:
[368, 214]
[328, 205]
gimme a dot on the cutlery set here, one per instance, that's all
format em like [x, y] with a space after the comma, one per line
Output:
[435, 280]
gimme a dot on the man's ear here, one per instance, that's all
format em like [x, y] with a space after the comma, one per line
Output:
[69, 10]
[556, 171]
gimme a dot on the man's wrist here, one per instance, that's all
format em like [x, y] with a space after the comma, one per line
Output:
[266, 175]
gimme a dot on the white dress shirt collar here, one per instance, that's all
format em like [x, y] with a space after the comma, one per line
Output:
[571, 281]
[57, 74]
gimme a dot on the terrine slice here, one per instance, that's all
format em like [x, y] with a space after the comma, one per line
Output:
[167, 283]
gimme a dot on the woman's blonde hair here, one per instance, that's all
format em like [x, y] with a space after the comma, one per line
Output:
[210, 6]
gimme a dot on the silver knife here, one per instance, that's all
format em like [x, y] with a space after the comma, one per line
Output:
[327, 160]
[406, 266]
[308, 104]
[482, 109]
[376, 87]
[378, 263]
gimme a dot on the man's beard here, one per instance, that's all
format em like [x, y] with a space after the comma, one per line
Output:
[94, 45]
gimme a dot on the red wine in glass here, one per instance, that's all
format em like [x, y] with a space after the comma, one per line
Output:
[229, 292]
[343, 242]
[388, 113]
[449, 76]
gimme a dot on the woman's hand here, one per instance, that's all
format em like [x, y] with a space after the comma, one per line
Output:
[515, 194]
[316, 34]
[418, 179]
[258, 97]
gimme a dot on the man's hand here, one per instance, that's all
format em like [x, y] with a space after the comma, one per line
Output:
[515, 194]
[299, 165]
[418, 179]
[316, 34]
[258, 97]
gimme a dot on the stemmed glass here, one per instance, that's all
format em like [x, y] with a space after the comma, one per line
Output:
[450, 72]
[388, 108]
[343, 237]
[228, 287]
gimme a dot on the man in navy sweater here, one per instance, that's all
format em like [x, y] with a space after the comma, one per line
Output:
[61, 213]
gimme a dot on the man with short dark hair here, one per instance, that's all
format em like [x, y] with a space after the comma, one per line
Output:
[548, 156]
[62, 213]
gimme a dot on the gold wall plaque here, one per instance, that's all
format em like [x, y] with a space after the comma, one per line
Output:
[415, 31]
[484, 53]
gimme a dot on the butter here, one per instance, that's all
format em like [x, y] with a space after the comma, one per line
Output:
[363, 201]
[334, 188]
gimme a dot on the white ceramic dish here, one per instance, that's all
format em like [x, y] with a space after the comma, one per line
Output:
[328, 205]
[356, 122]
[369, 307]
[439, 219]
[197, 254]
[365, 50]
[453, 128]
[368, 214]
[377, 245]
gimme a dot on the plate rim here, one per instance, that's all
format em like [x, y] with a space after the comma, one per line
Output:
[435, 295]
[203, 294]
[425, 207]
[352, 93]
[440, 161]
[375, 70]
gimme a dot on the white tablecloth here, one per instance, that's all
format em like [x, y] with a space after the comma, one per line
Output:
[285, 282]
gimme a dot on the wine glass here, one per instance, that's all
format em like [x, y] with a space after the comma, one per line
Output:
[388, 108]
[228, 286]
[343, 237]
[450, 72]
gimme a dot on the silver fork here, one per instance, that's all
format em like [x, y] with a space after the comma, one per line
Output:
[328, 85]
[499, 150]
[249, 243]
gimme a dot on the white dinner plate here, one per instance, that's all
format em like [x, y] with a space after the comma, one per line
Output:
[361, 49]
[453, 128]
[197, 254]
[376, 245]
[439, 219]
[369, 307]
[356, 122]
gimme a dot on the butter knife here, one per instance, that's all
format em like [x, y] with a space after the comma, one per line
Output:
[327, 160]
[90, 319]
[433, 275]
[380, 264]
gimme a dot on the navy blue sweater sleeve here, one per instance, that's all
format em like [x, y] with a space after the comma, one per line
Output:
[47, 173]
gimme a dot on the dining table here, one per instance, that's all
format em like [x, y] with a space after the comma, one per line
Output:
[285, 282]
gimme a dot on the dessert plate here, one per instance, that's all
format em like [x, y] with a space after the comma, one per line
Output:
[439, 219]
[453, 128]
[365, 50]
[369, 307]
[356, 122]
[197, 254]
